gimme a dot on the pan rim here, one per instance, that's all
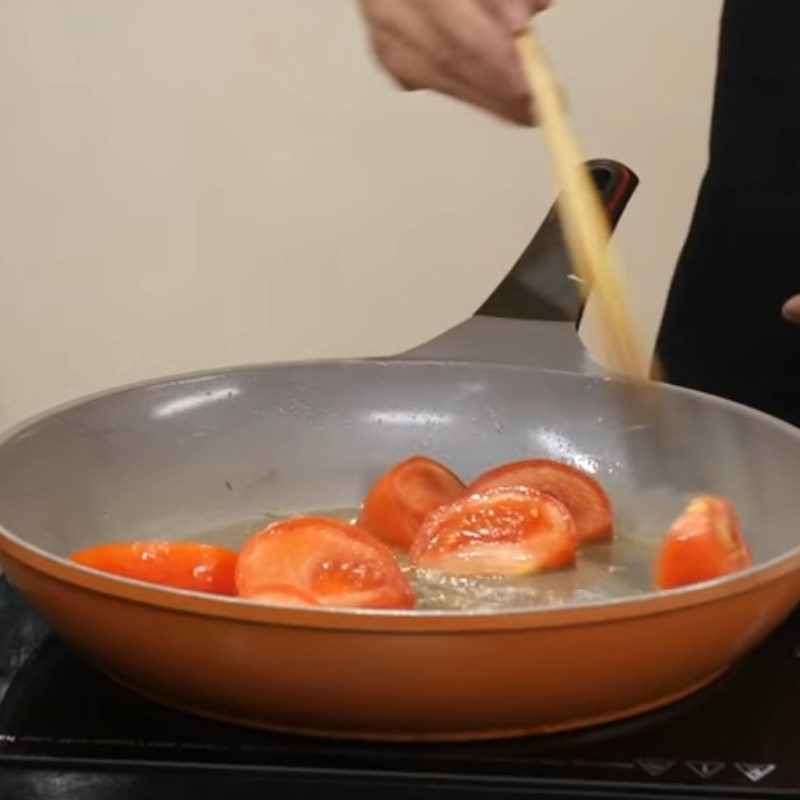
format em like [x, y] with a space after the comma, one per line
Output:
[433, 620]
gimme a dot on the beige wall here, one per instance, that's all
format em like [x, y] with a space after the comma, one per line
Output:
[192, 183]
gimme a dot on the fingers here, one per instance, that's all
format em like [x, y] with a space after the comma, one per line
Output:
[417, 72]
[515, 15]
[791, 310]
[463, 48]
[477, 50]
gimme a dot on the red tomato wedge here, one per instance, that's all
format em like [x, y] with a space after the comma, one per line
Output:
[334, 563]
[404, 496]
[580, 493]
[181, 565]
[704, 543]
[505, 531]
[281, 594]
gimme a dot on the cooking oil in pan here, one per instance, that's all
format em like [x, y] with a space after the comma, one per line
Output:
[620, 568]
[603, 572]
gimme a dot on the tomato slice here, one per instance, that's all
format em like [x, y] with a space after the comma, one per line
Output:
[704, 543]
[504, 531]
[281, 594]
[404, 496]
[181, 565]
[335, 563]
[580, 493]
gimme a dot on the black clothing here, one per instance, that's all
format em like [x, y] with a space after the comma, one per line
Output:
[722, 331]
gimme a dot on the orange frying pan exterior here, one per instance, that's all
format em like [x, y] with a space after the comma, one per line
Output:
[127, 465]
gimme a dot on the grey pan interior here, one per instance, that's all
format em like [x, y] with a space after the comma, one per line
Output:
[187, 457]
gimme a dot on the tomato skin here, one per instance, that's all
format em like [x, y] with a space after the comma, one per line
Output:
[704, 543]
[585, 498]
[401, 499]
[180, 565]
[504, 531]
[334, 563]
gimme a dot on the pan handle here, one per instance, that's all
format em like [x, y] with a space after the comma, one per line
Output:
[616, 184]
[541, 285]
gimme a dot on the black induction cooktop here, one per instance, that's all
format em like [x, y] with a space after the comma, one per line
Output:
[67, 731]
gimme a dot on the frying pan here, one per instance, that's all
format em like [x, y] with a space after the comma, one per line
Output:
[194, 456]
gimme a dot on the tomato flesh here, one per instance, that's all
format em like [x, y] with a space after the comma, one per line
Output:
[180, 565]
[504, 531]
[333, 563]
[585, 498]
[281, 594]
[399, 502]
[704, 543]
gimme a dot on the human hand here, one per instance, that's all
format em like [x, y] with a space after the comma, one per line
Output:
[462, 48]
[791, 310]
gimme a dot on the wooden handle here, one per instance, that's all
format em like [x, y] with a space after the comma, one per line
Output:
[587, 232]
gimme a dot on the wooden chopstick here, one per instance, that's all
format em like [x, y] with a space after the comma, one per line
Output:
[587, 232]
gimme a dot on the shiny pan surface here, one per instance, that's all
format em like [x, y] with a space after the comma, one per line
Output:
[191, 456]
